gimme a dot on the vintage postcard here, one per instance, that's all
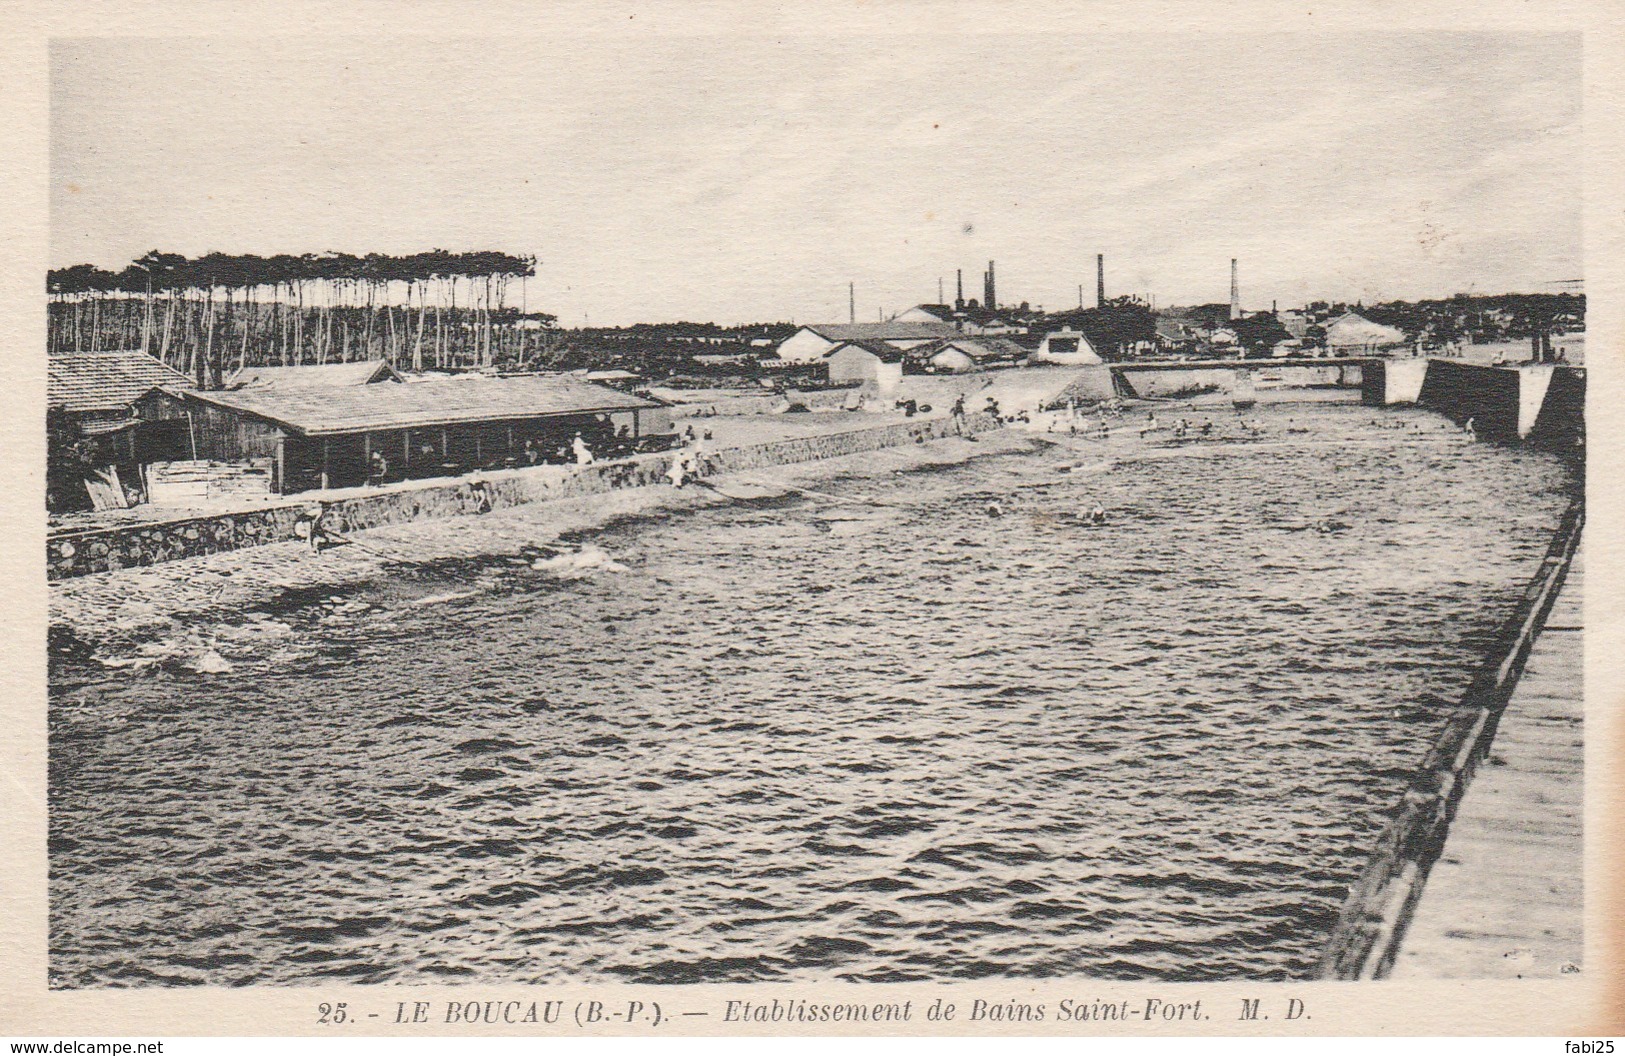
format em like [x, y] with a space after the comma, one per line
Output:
[886, 519]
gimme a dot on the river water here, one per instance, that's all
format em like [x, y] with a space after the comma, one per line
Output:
[892, 737]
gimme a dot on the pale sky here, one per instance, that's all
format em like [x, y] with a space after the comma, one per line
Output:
[739, 180]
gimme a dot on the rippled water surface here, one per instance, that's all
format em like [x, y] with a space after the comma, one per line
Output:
[804, 739]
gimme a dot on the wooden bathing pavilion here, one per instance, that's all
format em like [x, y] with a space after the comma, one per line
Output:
[326, 437]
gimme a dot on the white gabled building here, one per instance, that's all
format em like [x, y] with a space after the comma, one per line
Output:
[866, 361]
[926, 313]
[811, 343]
[1352, 332]
[1070, 347]
[961, 355]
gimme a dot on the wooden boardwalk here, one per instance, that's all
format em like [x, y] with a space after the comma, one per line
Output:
[1505, 898]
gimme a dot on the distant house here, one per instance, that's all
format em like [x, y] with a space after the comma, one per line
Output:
[313, 376]
[961, 355]
[811, 343]
[1352, 332]
[1178, 333]
[326, 437]
[1296, 323]
[866, 361]
[1070, 347]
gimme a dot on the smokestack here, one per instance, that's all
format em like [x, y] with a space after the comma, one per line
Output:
[851, 302]
[939, 290]
[1235, 292]
[990, 298]
[1080, 296]
[959, 279]
[1100, 280]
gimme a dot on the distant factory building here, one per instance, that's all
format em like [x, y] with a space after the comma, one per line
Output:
[313, 376]
[327, 437]
[810, 344]
[866, 361]
[1353, 332]
[969, 318]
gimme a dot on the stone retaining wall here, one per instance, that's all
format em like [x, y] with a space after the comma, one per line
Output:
[1380, 904]
[86, 551]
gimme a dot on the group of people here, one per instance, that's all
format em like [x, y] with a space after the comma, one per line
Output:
[689, 462]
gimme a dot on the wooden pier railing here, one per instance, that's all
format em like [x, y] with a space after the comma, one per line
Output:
[1379, 907]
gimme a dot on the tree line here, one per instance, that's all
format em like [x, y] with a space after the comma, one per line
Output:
[208, 314]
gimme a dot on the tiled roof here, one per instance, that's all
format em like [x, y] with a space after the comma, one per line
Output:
[987, 347]
[105, 381]
[366, 408]
[879, 349]
[312, 376]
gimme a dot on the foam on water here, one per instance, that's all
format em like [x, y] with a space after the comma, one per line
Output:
[801, 740]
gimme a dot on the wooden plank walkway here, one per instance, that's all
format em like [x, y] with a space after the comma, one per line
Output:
[1505, 898]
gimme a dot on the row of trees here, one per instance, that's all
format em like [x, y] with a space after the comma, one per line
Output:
[433, 309]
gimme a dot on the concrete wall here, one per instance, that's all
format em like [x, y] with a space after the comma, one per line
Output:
[1490, 396]
[1542, 404]
[79, 553]
[1387, 382]
[1560, 422]
[1166, 383]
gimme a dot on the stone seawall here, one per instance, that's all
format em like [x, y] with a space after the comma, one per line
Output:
[86, 551]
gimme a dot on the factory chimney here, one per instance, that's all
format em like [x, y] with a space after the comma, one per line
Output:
[959, 297]
[1235, 292]
[990, 297]
[851, 302]
[1100, 280]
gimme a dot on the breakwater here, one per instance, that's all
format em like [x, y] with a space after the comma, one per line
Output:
[1542, 404]
[87, 551]
[1373, 922]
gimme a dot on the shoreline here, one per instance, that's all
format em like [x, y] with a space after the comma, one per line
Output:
[131, 606]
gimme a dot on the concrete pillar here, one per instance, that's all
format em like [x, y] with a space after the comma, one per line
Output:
[1533, 382]
[1402, 380]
